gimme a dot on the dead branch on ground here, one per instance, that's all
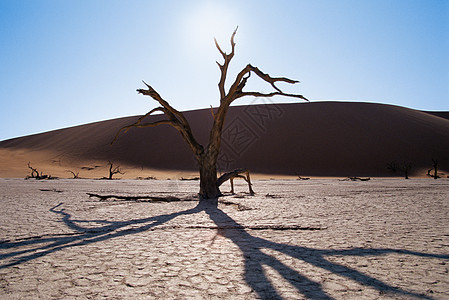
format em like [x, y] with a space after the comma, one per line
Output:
[136, 198]
[355, 179]
[236, 174]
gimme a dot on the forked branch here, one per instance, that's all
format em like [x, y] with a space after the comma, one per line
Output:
[139, 124]
[224, 67]
[174, 118]
[237, 87]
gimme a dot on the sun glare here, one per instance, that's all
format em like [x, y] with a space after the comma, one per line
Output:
[209, 21]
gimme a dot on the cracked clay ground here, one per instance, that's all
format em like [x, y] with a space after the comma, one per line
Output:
[317, 239]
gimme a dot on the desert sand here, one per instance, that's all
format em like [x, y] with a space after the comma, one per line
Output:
[295, 239]
[330, 139]
[386, 238]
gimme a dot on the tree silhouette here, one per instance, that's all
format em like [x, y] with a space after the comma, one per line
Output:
[207, 156]
[403, 168]
[113, 170]
[434, 168]
[75, 174]
[35, 173]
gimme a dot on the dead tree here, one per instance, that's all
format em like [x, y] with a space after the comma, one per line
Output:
[74, 174]
[113, 170]
[435, 168]
[35, 173]
[206, 156]
[404, 168]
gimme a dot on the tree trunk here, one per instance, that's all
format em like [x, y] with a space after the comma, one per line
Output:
[208, 178]
[435, 168]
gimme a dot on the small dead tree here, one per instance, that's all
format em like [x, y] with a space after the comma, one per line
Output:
[434, 168]
[207, 156]
[403, 168]
[74, 174]
[35, 173]
[113, 170]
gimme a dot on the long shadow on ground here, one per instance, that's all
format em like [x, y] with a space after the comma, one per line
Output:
[250, 246]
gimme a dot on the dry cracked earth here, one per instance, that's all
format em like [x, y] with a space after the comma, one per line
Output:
[314, 239]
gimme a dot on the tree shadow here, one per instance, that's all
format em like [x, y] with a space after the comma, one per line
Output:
[46, 244]
[252, 251]
[255, 259]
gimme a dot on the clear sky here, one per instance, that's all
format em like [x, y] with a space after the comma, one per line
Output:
[65, 63]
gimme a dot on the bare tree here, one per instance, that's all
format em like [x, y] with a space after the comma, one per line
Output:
[435, 168]
[113, 170]
[403, 168]
[35, 173]
[74, 174]
[207, 156]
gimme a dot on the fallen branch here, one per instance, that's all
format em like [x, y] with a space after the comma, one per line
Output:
[236, 174]
[355, 179]
[190, 179]
[137, 198]
[50, 190]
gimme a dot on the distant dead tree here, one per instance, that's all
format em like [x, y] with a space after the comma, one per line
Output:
[207, 156]
[75, 174]
[403, 168]
[113, 170]
[35, 173]
[435, 168]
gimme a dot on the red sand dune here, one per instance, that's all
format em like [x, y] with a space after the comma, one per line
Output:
[311, 139]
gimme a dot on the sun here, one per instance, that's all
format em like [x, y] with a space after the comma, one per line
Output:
[208, 21]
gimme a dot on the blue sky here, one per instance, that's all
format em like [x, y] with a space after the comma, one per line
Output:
[65, 63]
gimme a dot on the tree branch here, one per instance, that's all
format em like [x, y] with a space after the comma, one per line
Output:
[224, 66]
[236, 90]
[240, 80]
[137, 123]
[174, 118]
[168, 108]
[257, 94]
[271, 80]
